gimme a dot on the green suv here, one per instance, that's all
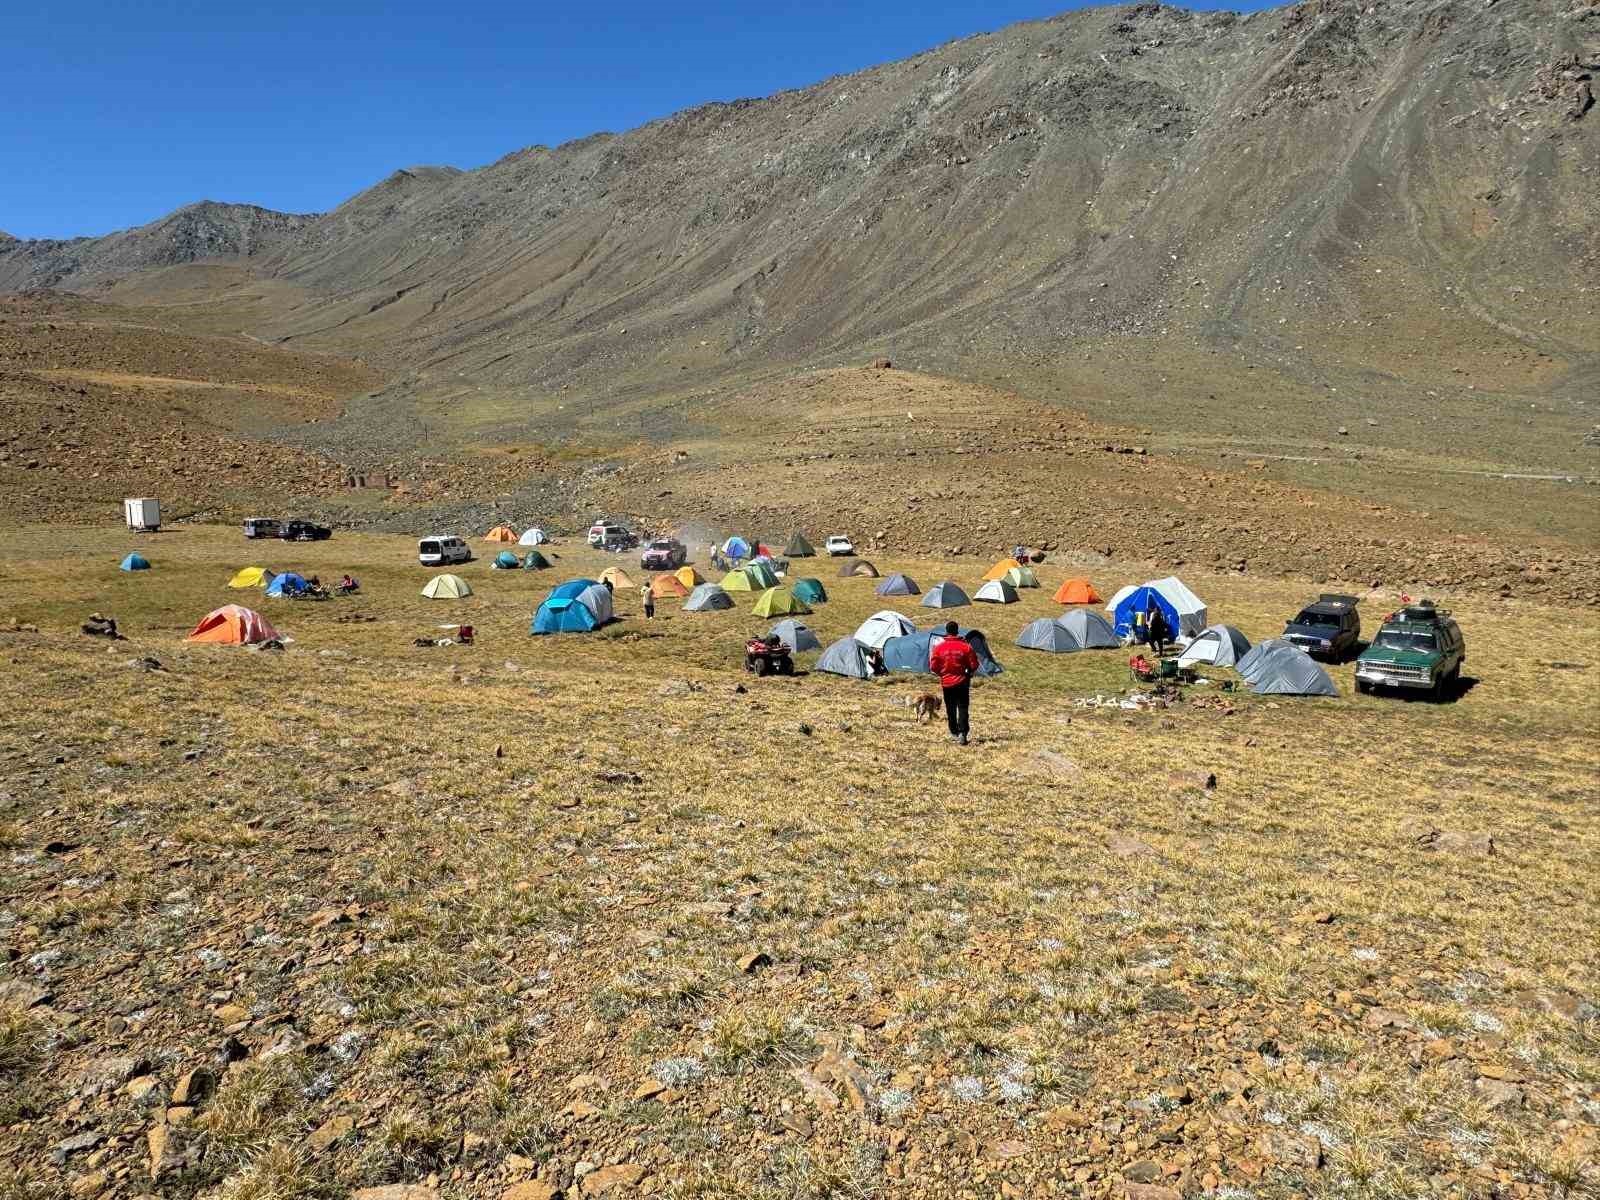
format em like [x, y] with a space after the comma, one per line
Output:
[1419, 648]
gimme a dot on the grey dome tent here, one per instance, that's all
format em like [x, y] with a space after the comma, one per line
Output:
[845, 657]
[880, 627]
[1217, 646]
[798, 547]
[796, 635]
[1250, 663]
[1290, 671]
[997, 591]
[899, 585]
[858, 566]
[945, 595]
[707, 597]
[1045, 634]
[914, 652]
[1090, 629]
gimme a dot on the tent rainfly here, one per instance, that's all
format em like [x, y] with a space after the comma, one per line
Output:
[446, 587]
[945, 595]
[706, 597]
[1184, 611]
[501, 533]
[1077, 591]
[251, 577]
[534, 561]
[796, 635]
[899, 585]
[997, 591]
[858, 566]
[880, 627]
[533, 537]
[287, 584]
[577, 606]
[1090, 629]
[775, 602]
[1287, 670]
[234, 625]
[618, 578]
[810, 590]
[999, 570]
[1217, 646]
[845, 657]
[667, 584]
[506, 560]
[1022, 577]
[914, 652]
[135, 562]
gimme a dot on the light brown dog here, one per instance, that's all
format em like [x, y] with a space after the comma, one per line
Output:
[927, 705]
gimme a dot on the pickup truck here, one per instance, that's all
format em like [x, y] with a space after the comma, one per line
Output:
[1419, 648]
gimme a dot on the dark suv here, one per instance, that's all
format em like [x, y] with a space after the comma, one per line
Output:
[1328, 628]
[1419, 648]
[305, 531]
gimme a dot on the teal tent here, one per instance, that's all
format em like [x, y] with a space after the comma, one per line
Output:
[135, 562]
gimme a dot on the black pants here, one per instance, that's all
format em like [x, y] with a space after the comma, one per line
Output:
[955, 706]
[649, 609]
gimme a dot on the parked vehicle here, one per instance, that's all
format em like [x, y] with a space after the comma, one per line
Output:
[1328, 628]
[600, 530]
[664, 554]
[299, 530]
[263, 527]
[768, 656]
[442, 550]
[143, 514]
[1419, 648]
[838, 546]
[612, 537]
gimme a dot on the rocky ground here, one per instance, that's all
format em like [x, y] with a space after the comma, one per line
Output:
[603, 917]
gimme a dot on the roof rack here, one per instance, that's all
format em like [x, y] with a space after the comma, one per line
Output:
[1338, 599]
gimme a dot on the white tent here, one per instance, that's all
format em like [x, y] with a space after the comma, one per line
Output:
[1217, 646]
[1190, 609]
[880, 627]
[996, 591]
[533, 537]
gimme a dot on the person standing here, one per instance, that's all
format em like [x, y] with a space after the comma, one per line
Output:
[649, 597]
[1156, 632]
[955, 663]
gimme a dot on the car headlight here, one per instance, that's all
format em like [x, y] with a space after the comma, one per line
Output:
[1324, 642]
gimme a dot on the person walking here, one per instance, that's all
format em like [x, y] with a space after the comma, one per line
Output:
[649, 598]
[955, 663]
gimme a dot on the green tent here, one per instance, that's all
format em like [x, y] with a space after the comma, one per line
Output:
[739, 581]
[810, 590]
[761, 575]
[534, 561]
[798, 547]
[775, 602]
[1022, 577]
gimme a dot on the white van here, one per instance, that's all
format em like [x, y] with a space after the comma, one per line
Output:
[440, 551]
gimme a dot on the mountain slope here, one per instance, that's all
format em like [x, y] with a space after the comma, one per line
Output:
[1138, 209]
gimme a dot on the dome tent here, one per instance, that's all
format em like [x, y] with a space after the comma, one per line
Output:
[945, 595]
[134, 562]
[997, 591]
[739, 581]
[1045, 634]
[999, 570]
[533, 537]
[501, 533]
[736, 548]
[234, 625]
[810, 590]
[251, 577]
[706, 597]
[506, 561]
[689, 577]
[1077, 591]
[914, 652]
[1022, 577]
[774, 602]
[845, 657]
[880, 627]
[618, 578]
[899, 585]
[1287, 670]
[1185, 612]
[858, 566]
[667, 584]
[534, 561]
[446, 587]
[796, 635]
[1217, 646]
[577, 606]
[1089, 629]
[287, 584]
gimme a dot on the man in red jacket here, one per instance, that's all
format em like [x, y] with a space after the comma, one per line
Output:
[955, 663]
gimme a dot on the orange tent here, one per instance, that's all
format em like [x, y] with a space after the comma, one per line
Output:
[1077, 591]
[668, 585]
[501, 533]
[998, 571]
[232, 625]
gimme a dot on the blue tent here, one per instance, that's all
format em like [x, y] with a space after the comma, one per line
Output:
[135, 562]
[736, 548]
[910, 654]
[898, 585]
[286, 584]
[1141, 602]
[565, 610]
[506, 561]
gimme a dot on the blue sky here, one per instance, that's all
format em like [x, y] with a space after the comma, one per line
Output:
[120, 111]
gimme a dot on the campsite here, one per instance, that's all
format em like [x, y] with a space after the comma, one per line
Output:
[538, 843]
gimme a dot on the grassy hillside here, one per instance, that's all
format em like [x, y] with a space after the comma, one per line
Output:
[605, 915]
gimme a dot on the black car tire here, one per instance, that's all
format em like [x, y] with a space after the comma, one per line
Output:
[762, 666]
[1363, 687]
[786, 666]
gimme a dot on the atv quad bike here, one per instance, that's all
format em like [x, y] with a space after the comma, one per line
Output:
[767, 656]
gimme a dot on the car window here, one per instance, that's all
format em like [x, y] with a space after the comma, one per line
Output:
[1308, 617]
[1399, 639]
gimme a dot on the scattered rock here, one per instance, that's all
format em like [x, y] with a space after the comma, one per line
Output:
[754, 961]
[396, 1191]
[1287, 1148]
[1498, 1094]
[531, 1189]
[1457, 842]
[609, 1181]
[171, 1150]
[77, 1144]
[329, 1132]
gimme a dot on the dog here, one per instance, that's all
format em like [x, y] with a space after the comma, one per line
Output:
[927, 705]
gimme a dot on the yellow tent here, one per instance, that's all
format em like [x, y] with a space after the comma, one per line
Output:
[998, 571]
[689, 577]
[446, 587]
[617, 578]
[251, 577]
[501, 533]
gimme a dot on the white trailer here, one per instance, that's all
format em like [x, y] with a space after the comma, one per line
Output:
[144, 514]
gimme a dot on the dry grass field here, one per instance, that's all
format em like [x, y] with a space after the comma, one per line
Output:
[603, 916]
